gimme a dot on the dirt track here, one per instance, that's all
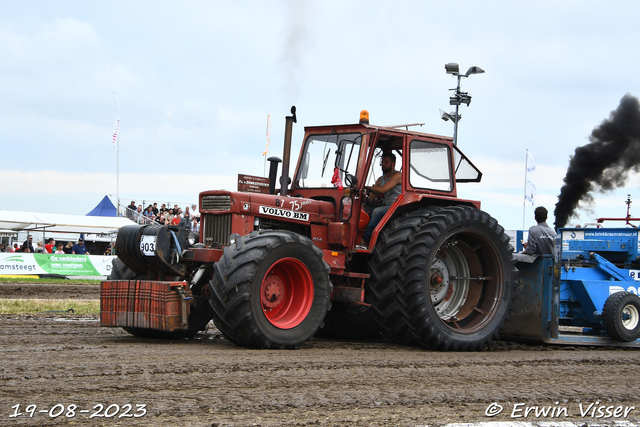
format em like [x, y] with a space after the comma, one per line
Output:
[64, 359]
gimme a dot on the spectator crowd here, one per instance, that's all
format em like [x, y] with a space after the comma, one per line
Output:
[165, 215]
[49, 248]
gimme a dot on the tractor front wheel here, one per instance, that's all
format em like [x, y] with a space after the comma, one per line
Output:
[270, 290]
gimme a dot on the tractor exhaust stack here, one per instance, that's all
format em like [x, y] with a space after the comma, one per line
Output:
[288, 131]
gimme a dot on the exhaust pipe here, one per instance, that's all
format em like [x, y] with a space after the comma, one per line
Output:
[286, 156]
[273, 173]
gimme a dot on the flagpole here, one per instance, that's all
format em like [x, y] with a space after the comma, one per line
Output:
[117, 141]
[524, 198]
[117, 174]
[266, 148]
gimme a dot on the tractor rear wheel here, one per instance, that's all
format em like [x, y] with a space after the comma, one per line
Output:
[198, 318]
[388, 270]
[621, 316]
[458, 280]
[270, 289]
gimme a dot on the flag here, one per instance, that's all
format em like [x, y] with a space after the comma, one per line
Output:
[531, 163]
[336, 180]
[530, 187]
[114, 137]
[115, 133]
[530, 192]
[266, 147]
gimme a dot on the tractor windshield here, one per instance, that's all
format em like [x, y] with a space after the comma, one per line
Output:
[323, 154]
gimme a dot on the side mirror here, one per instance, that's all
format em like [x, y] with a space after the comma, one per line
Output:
[350, 180]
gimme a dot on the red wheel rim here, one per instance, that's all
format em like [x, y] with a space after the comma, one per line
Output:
[286, 293]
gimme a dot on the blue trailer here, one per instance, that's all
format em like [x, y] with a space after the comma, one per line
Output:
[584, 294]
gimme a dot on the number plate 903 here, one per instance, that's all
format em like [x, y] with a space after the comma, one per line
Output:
[148, 245]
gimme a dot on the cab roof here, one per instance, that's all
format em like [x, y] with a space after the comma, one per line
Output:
[384, 129]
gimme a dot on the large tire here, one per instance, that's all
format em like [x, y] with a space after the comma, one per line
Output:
[120, 271]
[270, 289]
[350, 322]
[621, 316]
[388, 269]
[198, 318]
[458, 280]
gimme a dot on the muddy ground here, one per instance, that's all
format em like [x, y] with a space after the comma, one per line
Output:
[60, 359]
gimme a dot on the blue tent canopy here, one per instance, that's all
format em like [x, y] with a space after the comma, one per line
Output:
[104, 208]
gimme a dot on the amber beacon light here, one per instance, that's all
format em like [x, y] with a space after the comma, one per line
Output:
[364, 117]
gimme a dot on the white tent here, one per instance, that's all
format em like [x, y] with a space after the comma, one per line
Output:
[32, 221]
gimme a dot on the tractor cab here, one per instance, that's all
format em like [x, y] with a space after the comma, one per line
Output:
[340, 164]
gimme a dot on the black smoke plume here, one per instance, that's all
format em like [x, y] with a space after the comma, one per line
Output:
[603, 164]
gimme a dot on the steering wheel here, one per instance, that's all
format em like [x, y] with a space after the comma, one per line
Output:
[378, 200]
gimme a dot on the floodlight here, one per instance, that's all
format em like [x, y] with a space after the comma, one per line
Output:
[458, 97]
[474, 70]
[452, 68]
[449, 116]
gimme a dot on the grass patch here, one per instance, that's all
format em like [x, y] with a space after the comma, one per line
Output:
[28, 279]
[26, 306]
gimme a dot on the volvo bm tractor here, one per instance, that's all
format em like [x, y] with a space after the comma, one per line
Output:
[272, 270]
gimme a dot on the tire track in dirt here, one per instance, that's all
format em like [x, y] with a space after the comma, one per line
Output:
[57, 358]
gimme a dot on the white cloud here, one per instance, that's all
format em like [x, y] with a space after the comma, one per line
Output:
[196, 82]
[55, 42]
[60, 182]
[506, 174]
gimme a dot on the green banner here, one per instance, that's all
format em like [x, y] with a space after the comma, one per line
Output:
[76, 265]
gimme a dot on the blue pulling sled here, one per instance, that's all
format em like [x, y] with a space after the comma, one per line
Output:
[585, 294]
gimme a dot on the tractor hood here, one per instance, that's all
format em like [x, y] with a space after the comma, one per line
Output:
[290, 209]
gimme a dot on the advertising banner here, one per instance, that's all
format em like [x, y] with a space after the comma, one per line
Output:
[62, 264]
[253, 184]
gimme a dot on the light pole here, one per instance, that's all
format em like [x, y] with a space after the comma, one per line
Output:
[458, 97]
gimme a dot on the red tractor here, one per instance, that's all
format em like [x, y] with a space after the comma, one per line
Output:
[273, 270]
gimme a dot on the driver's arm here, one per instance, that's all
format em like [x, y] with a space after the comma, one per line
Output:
[373, 196]
[395, 180]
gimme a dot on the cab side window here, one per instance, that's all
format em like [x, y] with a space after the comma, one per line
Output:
[430, 166]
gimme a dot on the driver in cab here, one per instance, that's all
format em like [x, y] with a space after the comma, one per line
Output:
[389, 185]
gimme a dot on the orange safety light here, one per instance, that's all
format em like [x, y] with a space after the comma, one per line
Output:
[364, 117]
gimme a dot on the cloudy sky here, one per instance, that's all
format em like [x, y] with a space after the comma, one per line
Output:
[197, 80]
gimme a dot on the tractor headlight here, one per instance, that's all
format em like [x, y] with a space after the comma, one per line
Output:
[192, 238]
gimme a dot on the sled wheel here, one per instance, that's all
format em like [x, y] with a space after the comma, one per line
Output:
[270, 289]
[621, 316]
[458, 287]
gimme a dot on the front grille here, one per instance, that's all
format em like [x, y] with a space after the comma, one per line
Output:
[217, 229]
[216, 203]
[274, 224]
